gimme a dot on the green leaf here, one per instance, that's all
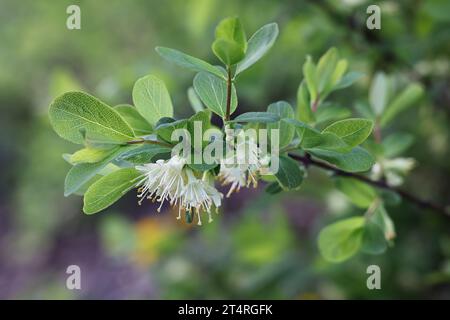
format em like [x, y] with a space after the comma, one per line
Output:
[304, 112]
[341, 240]
[337, 76]
[90, 155]
[231, 43]
[348, 79]
[309, 72]
[359, 193]
[384, 221]
[165, 130]
[74, 112]
[286, 130]
[212, 91]
[258, 45]
[143, 154]
[81, 173]
[202, 118]
[325, 68]
[260, 117]
[273, 188]
[330, 112]
[365, 110]
[406, 99]
[108, 189]
[357, 160]
[186, 61]
[396, 143]
[151, 98]
[289, 174]
[130, 114]
[194, 100]
[379, 93]
[373, 241]
[352, 131]
[311, 138]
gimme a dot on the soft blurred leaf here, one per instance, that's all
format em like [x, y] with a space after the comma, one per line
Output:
[258, 45]
[289, 175]
[81, 173]
[286, 130]
[357, 160]
[379, 93]
[325, 68]
[143, 153]
[213, 93]
[348, 79]
[151, 98]
[130, 114]
[304, 112]
[359, 193]
[341, 240]
[384, 221]
[230, 44]
[186, 61]
[403, 101]
[260, 117]
[396, 143]
[108, 189]
[90, 155]
[309, 72]
[194, 100]
[373, 241]
[352, 131]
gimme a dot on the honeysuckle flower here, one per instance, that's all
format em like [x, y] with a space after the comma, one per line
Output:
[170, 180]
[394, 170]
[162, 181]
[199, 196]
[242, 168]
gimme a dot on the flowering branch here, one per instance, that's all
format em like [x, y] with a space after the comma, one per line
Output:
[307, 160]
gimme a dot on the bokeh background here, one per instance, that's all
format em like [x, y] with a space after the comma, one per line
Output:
[260, 246]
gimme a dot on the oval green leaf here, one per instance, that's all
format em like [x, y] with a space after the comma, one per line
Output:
[151, 98]
[341, 240]
[212, 91]
[77, 114]
[108, 189]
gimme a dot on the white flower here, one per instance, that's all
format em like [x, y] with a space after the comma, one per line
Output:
[234, 175]
[242, 167]
[162, 181]
[199, 196]
[394, 170]
[170, 180]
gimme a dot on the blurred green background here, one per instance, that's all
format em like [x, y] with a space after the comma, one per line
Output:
[260, 246]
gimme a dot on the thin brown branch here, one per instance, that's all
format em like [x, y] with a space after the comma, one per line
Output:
[307, 161]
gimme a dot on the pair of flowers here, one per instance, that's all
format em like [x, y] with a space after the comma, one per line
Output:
[174, 182]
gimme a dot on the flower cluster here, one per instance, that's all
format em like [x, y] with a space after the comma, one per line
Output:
[241, 168]
[171, 181]
[174, 182]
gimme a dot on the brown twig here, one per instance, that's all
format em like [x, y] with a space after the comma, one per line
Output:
[307, 161]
